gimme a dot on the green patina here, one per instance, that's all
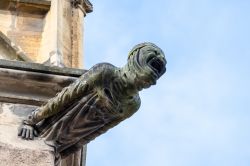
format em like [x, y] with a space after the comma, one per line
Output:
[100, 99]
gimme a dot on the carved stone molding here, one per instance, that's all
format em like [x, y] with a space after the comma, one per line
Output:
[29, 6]
[31, 83]
[85, 5]
[15, 52]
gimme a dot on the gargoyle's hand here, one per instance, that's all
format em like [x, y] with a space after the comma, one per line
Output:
[26, 131]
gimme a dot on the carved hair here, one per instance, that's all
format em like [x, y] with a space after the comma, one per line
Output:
[141, 45]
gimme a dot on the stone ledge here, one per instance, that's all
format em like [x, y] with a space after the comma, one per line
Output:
[31, 83]
[36, 67]
[37, 2]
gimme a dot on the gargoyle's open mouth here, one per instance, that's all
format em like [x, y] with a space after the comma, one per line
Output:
[157, 65]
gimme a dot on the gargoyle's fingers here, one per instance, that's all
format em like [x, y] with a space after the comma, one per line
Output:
[31, 136]
[24, 133]
[27, 134]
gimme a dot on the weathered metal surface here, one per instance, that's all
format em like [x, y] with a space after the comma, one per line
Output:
[97, 101]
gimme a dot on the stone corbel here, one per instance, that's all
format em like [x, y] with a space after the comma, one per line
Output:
[84, 5]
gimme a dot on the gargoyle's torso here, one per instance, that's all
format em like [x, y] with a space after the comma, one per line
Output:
[102, 106]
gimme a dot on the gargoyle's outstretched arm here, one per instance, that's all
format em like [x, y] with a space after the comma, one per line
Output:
[54, 105]
[62, 99]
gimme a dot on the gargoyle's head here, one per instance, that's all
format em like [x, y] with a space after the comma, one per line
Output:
[148, 63]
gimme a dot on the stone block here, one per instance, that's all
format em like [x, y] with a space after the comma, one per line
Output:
[15, 151]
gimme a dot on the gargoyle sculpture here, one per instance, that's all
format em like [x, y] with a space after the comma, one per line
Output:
[100, 99]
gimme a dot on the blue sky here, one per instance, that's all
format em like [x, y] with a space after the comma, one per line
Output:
[199, 112]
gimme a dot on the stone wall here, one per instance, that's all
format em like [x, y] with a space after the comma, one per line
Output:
[15, 151]
[63, 34]
[43, 28]
[41, 33]
[24, 29]
[24, 87]
[5, 53]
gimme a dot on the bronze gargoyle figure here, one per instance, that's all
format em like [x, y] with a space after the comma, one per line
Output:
[100, 99]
